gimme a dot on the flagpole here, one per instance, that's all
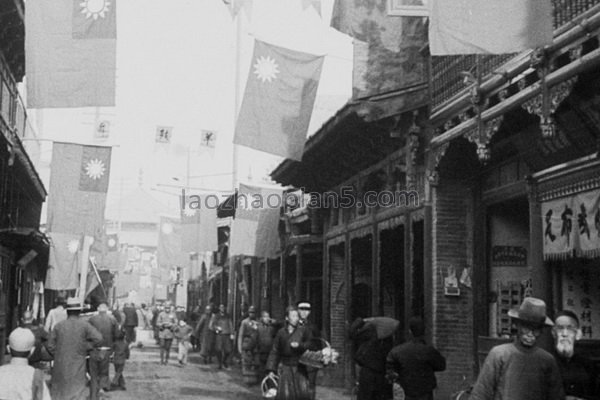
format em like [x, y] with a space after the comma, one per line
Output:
[231, 295]
[85, 256]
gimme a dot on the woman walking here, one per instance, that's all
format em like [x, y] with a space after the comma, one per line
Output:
[289, 344]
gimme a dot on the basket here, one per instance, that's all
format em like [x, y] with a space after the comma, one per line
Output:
[269, 386]
[320, 358]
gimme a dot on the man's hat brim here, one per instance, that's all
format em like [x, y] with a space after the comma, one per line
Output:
[514, 314]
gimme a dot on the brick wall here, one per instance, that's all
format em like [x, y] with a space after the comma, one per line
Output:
[452, 316]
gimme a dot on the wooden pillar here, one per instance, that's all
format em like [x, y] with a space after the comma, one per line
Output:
[407, 270]
[299, 294]
[428, 274]
[375, 280]
[350, 372]
[480, 273]
[540, 276]
[326, 301]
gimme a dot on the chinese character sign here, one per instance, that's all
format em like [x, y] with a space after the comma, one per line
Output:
[163, 134]
[572, 226]
[581, 294]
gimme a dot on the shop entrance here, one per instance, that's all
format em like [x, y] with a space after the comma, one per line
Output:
[508, 258]
[361, 267]
[391, 273]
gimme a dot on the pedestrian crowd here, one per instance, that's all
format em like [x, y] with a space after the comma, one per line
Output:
[77, 350]
[81, 350]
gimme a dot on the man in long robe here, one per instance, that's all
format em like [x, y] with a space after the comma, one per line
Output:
[70, 342]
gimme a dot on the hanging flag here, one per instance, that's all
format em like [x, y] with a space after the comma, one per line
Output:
[387, 54]
[489, 26]
[78, 184]
[112, 242]
[164, 134]
[93, 279]
[169, 251]
[234, 7]
[63, 261]
[278, 101]
[198, 224]
[71, 53]
[254, 231]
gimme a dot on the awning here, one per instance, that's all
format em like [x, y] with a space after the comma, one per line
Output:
[24, 237]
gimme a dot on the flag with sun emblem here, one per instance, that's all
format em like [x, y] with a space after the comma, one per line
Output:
[199, 224]
[254, 230]
[78, 183]
[95, 165]
[278, 101]
[71, 53]
[169, 251]
[63, 261]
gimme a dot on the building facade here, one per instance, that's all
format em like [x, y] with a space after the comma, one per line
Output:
[23, 249]
[513, 182]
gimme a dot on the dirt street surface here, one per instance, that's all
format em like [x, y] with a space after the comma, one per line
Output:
[146, 379]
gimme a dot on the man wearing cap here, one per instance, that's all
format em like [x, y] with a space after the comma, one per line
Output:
[40, 353]
[166, 323]
[247, 347]
[99, 362]
[521, 370]
[304, 309]
[222, 325]
[70, 342]
[19, 380]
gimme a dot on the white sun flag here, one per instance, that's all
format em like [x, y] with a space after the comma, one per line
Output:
[73, 246]
[71, 53]
[95, 8]
[266, 69]
[95, 169]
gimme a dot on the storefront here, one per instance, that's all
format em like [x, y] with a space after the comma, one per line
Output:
[513, 183]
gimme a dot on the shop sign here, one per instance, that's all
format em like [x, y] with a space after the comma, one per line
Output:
[509, 256]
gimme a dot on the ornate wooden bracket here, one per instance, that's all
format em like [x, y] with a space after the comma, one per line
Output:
[435, 156]
[481, 136]
[546, 103]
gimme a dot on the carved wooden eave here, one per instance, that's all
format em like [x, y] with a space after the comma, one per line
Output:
[529, 80]
[358, 136]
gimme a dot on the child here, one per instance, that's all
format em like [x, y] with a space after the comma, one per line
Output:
[121, 353]
[183, 333]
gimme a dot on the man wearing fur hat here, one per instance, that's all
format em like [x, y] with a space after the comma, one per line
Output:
[18, 380]
[521, 370]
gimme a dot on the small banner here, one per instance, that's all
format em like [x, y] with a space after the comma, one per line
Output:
[164, 134]
[572, 226]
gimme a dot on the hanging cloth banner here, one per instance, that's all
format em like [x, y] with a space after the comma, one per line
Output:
[572, 226]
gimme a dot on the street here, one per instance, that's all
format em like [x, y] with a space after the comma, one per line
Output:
[146, 379]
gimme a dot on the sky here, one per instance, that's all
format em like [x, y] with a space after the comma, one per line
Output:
[176, 66]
